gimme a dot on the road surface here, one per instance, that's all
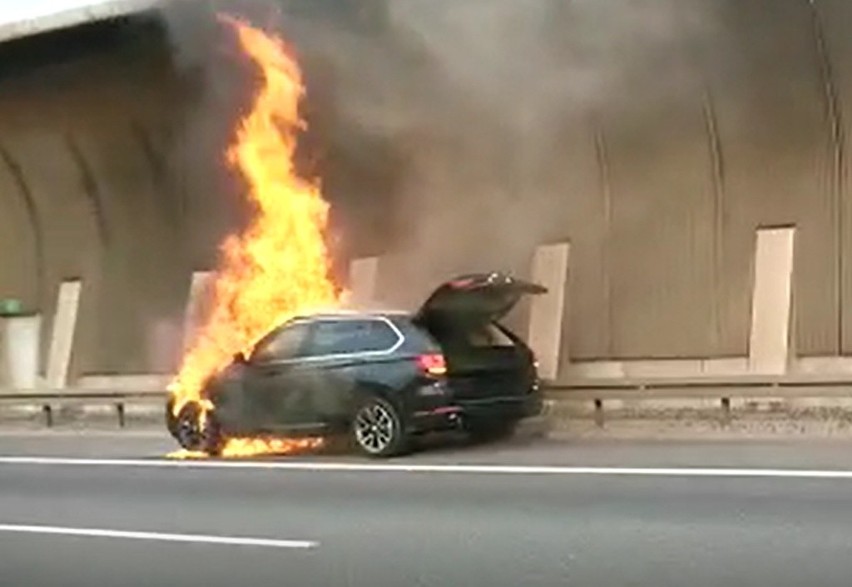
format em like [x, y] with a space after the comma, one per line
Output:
[105, 509]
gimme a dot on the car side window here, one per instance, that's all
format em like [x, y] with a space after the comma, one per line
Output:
[286, 343]
[351, 336]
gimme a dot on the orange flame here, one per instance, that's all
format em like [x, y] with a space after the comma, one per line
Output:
[249, 447]
[241, 447]
[279, 266]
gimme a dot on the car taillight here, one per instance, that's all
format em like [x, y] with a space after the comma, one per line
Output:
[432, 364]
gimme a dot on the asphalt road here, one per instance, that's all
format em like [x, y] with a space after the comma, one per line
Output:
[491, 520]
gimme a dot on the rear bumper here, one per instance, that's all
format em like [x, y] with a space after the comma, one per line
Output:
[441, 418]
[445, 416]
[504, 408]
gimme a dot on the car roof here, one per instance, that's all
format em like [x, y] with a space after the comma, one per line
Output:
[350, 315]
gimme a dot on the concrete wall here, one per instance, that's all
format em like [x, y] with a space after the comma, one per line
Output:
[83, 179]
[659, 186]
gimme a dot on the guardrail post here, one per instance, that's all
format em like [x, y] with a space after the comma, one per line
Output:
[726, 411]
[599, 413]
[119, 410]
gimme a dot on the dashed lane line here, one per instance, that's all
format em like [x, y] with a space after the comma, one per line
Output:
[157, 536]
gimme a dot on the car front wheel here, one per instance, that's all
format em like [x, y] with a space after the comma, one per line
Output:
[377, 429]
[194, 435]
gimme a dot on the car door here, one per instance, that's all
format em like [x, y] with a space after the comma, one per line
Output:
[345, 352]
[274, 385]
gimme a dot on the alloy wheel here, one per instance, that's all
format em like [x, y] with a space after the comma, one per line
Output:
[375, 427]
[188, 432]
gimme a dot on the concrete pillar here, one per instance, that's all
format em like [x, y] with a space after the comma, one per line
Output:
[769, 344]
[62, 335]
[19, 351]
[197, 305]
[363, 275]
[550, 269]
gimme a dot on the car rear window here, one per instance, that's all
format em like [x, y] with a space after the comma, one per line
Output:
[352, 336]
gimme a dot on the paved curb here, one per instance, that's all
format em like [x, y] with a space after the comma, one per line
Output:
[765, 418]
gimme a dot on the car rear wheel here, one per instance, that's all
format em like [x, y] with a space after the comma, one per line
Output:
[377, 429]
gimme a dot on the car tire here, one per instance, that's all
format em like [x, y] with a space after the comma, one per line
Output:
[377, 430]
[171, 419]
[191, 435]
[187, 429]
[213, 440]
[482, 430]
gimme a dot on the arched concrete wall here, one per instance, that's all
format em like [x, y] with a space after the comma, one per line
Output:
[753, 144]
[659, 183]
[719, 118]
[21, 235]
[89, 142]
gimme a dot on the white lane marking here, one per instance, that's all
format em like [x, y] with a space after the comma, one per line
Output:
[158, 536]
[432, 468]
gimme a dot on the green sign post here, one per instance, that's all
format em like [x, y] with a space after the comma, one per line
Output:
[10, 307]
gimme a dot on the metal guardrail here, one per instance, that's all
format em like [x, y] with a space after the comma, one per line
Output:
[733, 382]
[51, 400]
[721, 389]
[598, 391]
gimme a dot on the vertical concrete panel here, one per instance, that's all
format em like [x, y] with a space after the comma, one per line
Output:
[64, 328]
[769, 344]
[19, 351]
[550, 269]
[363, 276]
[197, 305]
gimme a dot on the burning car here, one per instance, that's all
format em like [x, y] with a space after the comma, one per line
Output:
[380, 378]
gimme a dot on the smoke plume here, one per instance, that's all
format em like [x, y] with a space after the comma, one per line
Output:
[443, 130]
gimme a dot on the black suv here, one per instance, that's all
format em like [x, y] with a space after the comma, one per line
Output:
[380, 377]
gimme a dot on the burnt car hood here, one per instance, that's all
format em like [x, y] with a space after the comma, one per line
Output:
[476, 299]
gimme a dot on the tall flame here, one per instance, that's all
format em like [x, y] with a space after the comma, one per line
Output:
[279, 266]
